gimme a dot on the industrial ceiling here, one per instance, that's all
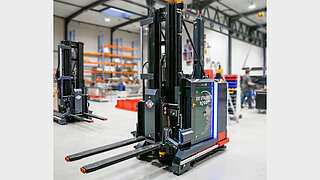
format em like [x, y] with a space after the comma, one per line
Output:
[216, 12]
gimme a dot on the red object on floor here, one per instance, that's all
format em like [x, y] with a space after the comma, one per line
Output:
[128, 104]
[209, 72]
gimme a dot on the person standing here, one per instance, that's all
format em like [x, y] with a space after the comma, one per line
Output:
[246, 89]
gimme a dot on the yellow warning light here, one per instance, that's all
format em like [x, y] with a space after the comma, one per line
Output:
[161, 153]
[261, 14]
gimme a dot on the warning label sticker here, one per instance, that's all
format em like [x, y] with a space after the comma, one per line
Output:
[149, 103]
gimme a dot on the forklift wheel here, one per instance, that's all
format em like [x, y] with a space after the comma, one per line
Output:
[222, 148]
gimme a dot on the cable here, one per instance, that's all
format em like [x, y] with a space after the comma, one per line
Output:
[185, 27]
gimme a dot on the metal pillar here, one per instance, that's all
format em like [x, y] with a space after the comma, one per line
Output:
[121, 51]
[66, 23]
[229, 53]
[132, 52]
[117, 68]
[102, 46]
[137, 59]
[229, 64]
[111, 49]
[74, 40]
[99, 51]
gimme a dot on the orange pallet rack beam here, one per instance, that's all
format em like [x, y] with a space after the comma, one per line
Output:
[118, 47]
[109, 55]
[116, 64]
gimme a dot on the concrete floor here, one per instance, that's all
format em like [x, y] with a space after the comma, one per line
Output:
[244, 158]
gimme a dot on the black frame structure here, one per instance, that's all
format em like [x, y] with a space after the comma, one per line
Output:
[168, 116]
[71, 93]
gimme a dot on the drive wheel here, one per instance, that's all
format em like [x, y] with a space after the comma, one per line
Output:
[166, 159]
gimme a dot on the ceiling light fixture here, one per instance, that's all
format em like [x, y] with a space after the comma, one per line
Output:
[252, 6]
[116, 12]
[107, 19]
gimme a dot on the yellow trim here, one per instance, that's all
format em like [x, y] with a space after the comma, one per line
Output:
[162, 153]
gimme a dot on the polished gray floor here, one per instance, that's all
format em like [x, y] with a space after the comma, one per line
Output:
[244, 158]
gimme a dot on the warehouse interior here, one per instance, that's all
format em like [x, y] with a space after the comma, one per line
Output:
[115, 49]
[74, 104]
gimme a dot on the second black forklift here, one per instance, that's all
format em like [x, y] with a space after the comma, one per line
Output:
[72, 99]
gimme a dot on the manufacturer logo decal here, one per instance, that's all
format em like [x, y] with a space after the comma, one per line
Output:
[149, 103]
[78, 97]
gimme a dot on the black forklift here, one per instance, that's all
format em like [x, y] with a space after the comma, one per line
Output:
[182, 117]
[72, 99]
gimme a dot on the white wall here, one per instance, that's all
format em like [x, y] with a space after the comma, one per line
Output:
[219, 48]
[240, 50]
